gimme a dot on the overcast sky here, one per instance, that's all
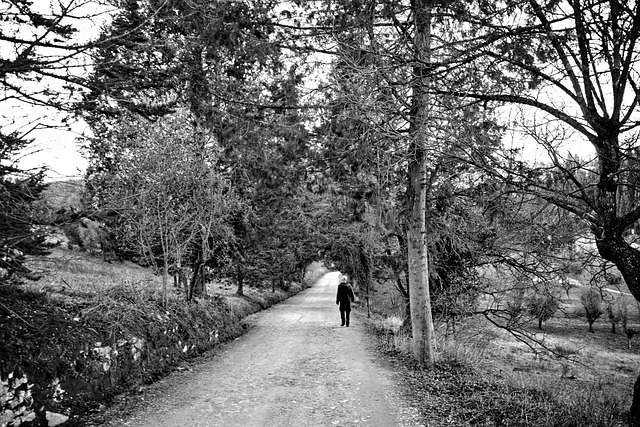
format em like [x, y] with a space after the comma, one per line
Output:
[53, 146]
[58, 151]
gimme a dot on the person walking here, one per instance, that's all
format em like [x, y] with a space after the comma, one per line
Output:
[344, 298]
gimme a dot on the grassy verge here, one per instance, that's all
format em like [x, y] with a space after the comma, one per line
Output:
[80, 337]
[467, 388]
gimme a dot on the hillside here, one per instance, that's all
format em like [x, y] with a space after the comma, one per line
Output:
[63, 194]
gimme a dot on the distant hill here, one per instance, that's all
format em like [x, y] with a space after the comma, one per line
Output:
[64, 194]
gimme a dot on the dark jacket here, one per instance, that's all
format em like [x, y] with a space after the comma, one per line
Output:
[345, 296]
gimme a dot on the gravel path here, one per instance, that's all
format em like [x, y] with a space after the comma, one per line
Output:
[296, 367]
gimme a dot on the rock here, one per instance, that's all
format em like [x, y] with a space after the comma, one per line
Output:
[104, 355]
[6, 416]
[137, 346]
[55, 419]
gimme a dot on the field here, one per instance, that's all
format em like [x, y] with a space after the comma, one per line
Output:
[563, 372]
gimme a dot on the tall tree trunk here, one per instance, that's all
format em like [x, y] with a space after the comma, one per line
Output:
[165, 275]
[634, 411]
[419, 297]
[239, 280]
[609, 234]
[195, 280]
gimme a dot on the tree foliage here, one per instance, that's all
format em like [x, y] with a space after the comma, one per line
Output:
[542, 307]
[174, 206]
[46, 49]
[21, 229]
[573, 65]
[592, 302]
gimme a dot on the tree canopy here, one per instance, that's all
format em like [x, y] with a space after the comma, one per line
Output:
[233, 149]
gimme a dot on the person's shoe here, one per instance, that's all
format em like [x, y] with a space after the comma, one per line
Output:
[347, 325]
[343, 325]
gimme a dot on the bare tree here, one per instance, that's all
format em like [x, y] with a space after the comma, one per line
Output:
[573, 68]
[169, 194]
[592, 302]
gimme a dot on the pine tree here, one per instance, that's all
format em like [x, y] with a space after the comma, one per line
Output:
[21, 232]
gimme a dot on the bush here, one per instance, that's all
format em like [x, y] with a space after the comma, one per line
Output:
[21, 232]
[75, 352]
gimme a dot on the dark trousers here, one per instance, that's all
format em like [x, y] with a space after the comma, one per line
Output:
[344, 316]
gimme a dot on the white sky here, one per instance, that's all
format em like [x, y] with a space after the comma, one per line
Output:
[58, 152]
[569, 141]
[54, 146]
[57, 149]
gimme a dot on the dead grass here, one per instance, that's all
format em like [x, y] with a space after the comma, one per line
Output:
[486, 377]
[483, 378]
[97, 329]
[75, 271]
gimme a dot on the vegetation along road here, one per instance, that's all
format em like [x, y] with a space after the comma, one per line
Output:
[296, 367]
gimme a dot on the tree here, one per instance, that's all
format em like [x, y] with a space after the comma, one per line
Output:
[572, 66]
[222, 62]
[41, 53]
[592, 303]
[367, 127]
[615, 315]
[543, 307]
[171, 200]
[21, 230]
[418, 256]
[384, 118]
[600, 81]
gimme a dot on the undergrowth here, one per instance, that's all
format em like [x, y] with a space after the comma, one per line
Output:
[78, 349]
[458, 391]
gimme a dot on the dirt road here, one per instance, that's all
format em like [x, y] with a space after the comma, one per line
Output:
[296, 367]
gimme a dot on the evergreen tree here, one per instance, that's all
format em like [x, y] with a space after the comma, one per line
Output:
[21, 232]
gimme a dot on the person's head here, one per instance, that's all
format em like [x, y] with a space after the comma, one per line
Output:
[343, 279]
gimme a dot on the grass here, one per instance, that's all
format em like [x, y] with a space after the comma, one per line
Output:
[484, 377]
[75, 271]
[94, 330]
[467, 387]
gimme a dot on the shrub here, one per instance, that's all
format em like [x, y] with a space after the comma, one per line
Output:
[78, 351]
[21, 233]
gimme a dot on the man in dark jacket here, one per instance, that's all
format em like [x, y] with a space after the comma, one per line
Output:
[344, 298]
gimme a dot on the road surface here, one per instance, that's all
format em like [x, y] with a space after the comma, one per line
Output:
[296, 367]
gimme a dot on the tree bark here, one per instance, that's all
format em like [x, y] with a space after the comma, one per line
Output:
[239, 280]
[419, 296]
[165, 275]
[198, 271]
[609, 234]
[634, 411]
